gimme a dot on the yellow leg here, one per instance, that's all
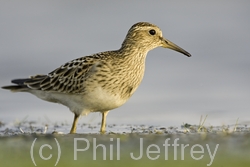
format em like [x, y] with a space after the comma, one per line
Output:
[104, 114]
[73, 128]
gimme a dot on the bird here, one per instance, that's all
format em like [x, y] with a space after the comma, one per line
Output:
[99, 82]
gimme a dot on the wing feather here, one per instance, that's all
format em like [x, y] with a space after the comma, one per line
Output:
[68, 78]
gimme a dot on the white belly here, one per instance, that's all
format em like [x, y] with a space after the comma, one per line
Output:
[97, 100]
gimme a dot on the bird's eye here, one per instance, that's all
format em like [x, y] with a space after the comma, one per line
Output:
[152, 32]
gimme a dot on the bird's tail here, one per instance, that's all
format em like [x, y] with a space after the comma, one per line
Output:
[21, 84]
[16, 88]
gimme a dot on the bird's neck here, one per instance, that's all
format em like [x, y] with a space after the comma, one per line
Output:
[133, 51]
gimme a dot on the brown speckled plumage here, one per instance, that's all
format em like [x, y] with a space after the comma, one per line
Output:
[102, 81]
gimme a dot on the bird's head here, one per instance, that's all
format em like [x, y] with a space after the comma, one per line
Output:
[147, 36]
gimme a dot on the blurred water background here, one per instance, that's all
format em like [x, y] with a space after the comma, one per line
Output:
[38, 36]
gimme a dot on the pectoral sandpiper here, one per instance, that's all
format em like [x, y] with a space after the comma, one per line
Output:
[102, 81]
